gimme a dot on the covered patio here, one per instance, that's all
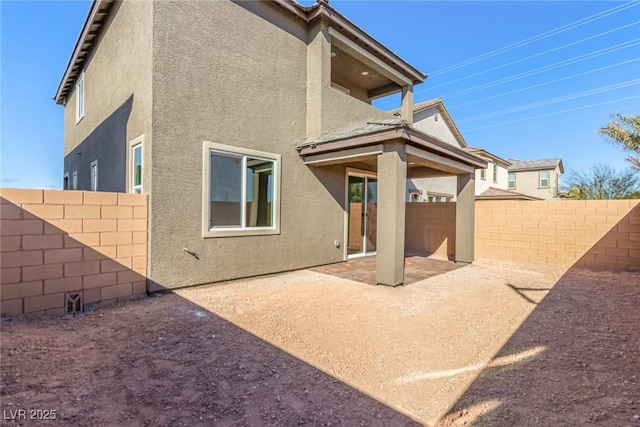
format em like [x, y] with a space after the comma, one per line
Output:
[363, 270]
[392, 151]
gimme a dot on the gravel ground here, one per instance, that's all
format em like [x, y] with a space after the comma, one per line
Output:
[313, 349]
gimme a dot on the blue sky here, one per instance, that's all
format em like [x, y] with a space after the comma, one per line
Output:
[519, 103]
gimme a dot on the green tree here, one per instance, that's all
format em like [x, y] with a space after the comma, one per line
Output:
[604, 182]
[625, 131]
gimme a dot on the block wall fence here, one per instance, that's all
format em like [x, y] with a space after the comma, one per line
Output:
[600, 234]
[57, 244]
[70, 243]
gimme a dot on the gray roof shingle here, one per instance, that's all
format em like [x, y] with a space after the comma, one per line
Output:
[537, 164]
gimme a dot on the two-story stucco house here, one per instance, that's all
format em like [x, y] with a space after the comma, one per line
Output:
[249, 125]
[539, 178]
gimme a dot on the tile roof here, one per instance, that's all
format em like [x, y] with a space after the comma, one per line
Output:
[498, 193]
[368, 127]
[537, 164]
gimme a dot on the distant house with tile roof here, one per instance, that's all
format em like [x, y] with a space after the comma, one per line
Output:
[501, 179]
[539, 178]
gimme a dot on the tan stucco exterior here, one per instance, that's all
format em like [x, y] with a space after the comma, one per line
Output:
[528, 182]
[206, 81]
[117, 94]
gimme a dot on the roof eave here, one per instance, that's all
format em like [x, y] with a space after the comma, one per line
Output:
[405, 132]
[97, 8]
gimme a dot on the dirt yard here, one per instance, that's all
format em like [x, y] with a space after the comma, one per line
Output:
[478, 345]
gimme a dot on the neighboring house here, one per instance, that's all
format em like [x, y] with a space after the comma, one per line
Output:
[538, 178]
[432, 118]
[259, 154]
[500, 194]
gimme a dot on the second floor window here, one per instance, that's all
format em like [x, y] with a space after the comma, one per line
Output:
[136, 169]
[512, 180]
[495, 173]
[94, 175]
[80, 98]
[544, 179]
[483, 174]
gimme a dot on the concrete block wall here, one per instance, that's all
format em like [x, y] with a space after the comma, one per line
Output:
[430, 228]
[601, 234]
[70, 242]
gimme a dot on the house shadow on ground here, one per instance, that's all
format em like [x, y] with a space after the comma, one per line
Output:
[573, 361]
[165, 361]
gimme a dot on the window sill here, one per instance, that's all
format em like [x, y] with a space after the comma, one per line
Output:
[239, 232]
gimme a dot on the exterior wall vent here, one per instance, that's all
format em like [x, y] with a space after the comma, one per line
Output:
[73, 303]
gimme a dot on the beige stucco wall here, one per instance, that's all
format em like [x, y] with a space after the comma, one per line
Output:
[119, 71]
[527, 182]
[426, 121]
[214, 83]
[483, 184]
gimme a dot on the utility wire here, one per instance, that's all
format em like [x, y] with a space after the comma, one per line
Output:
[531, 56]
[552, 101]
[553, 66]
[553, 114]
[538, 37]
[545, 83]
[590, 55]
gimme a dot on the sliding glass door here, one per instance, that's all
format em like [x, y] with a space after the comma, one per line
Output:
[362, 201]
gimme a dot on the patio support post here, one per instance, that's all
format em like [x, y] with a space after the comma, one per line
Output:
[390, 223]
[465, 218]
[406, 110]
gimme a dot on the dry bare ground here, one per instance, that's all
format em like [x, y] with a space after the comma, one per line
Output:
[479, 345]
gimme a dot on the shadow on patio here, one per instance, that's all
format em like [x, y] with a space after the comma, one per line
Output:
[363, 270]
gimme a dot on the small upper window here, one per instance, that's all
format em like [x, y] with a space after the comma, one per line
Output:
[80, 98]
[483, 174]
[544, 179]
[136, 169]
[495, 173]
[94, 175]
[241, 191]
[512, 180]
[74, 180]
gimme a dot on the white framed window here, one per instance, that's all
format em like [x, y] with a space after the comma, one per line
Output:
[74, 180]
[495, 173]
[241, 191]
[483, 174]
[135, 164]
[65, 181]
[544, 179]
[80, 98]
[511, 180]
[94, 175]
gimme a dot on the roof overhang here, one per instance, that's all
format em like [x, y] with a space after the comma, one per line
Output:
[346, 28]
[422, 151]
[484, 153]
[97, 16]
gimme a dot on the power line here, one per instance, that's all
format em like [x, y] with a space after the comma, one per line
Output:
[533, 56]
[538, 37]
[539, 70]
[553, 100]
[553, 114]
[545, 83]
